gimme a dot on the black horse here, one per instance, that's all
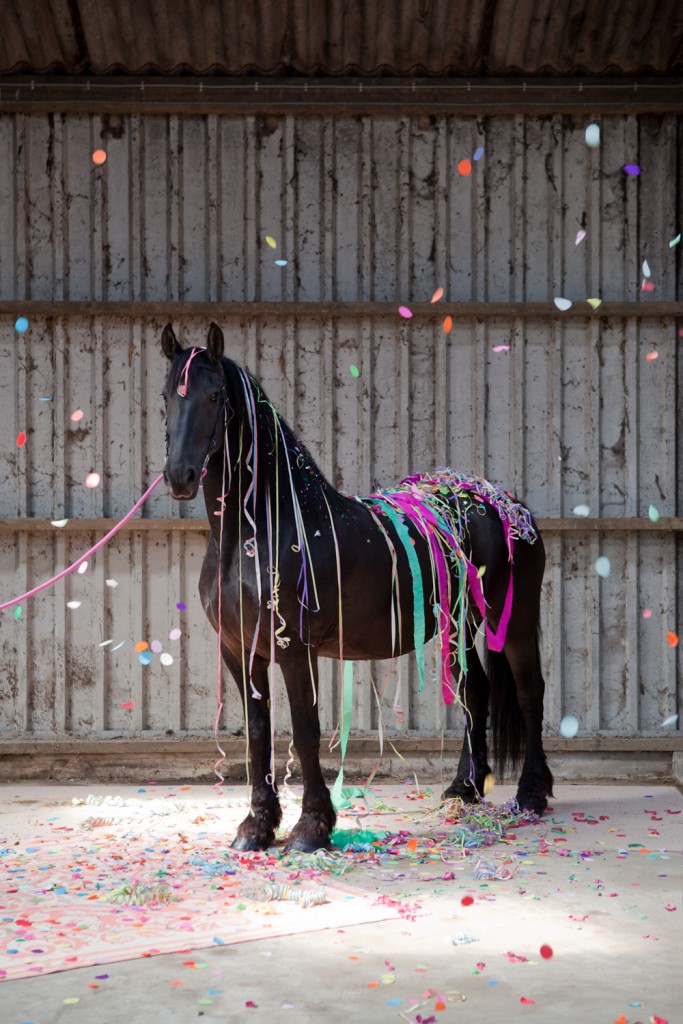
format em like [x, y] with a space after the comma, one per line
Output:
[295, 570]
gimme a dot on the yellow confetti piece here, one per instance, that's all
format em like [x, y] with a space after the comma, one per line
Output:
[489, 783]
[70, 1000]
[271, 242]
[388, 979]
[594, 303]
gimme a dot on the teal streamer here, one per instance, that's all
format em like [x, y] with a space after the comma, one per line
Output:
[339, 795]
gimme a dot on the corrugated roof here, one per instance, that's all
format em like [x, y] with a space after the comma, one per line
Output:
[348, 37]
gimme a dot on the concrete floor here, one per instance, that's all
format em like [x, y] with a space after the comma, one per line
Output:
[610, 906]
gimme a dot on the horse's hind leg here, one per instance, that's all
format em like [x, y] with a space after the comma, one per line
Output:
[473, 766]
[257, 831]
[312, 830]
[536, 780]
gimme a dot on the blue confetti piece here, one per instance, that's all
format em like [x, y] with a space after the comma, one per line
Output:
[21, 324]
[145, 657]
[478, 153]
[219, 942]
[281, 263]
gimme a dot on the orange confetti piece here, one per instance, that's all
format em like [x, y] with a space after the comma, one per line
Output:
[411, 845]
[128, 704]
[448, 324]
[437, 295]
[99, 157]
[464, 168]
[141, 645]
[651, 356]
[621, 1019]
[373, 984]
[439, 1005]
[672, 639]
[527, 1002]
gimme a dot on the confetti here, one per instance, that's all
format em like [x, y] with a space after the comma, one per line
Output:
[128, 705]
[411, 845]
[99, 157]
[111, 583]
[156, 646]
[405, 312]
[671, 720]
[281, 263]
[21, 439]
[271, 242]
[105, 643]
[546, 952]
[478, 153]
[569, 727]
[594, 303]
[21, 324]
[17, 612]
[672, 638]
[562, 304]
[674, 241]
[437, 295]
[646, 269]
[464, 168]
[73, 604]
[118, 646]
[602, 566]
[141, 645]
[592, 135]
[92, 480]
[175, 634]
[647, 286]
[501, 348]
[83, 568]
[580, 235]
[354, 371]
[467, 901]
[653, 514]
[145, 658]
[527, 1002]
[166, 659]
[651, 356]
[581, 510]
[489, 783]
[448, 324]
[181, 606]
[647, 613]
[633, 170]
[59, 523]
[77, 415]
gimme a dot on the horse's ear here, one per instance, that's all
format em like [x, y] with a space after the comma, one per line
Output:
[169, 343]
[215, 343]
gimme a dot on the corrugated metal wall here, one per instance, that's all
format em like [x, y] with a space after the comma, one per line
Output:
[364, 210]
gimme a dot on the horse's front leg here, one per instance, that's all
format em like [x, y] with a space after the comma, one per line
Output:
[257, 831]
[312, 830]
[473, 766]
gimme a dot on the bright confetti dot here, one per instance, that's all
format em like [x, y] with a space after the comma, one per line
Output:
[181, 606]
[271, 242]
[21, 439]
[21, 324]
[92, 480]
[674, 241]
[653, 514]
[99, 157]
[562, 304]
[17, 612]
[448, 324]
[671, 720]
[354, 371]
[77, 415]
[467, 901]
[580, 235]
[437, 295]
[594, 303]
[647, 613]
[646, 269]
[569, 726]
[157, 646]
[111, 583]
[59, 523]
[478, 153]
[83, 568]
[105, 643]
[128, 705]
[651, 356]
[672, 638]
[647, 286]
[405, 312]
[145, 658]
[71, 1000]
[633, 170]
[602, 566]
[581, 510]
[118, 646]
[501, 348]
[546, 952]
[73, 604]
[592, 135]
[464, 168]
[141, 645]
[281, 263]
[175, 634]
[166, 659]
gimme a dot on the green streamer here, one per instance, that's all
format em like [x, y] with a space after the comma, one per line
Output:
[341, 797]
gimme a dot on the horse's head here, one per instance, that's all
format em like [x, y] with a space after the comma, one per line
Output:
[196, 406]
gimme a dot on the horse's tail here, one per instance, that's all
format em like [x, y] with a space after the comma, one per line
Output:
[507, 722]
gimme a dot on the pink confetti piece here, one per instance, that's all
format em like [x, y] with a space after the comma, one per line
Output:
[437, 295]
[405, 312]
[77, 415]
[501, 348]
[647, 286]
[631, 169]
[92, 480]
[651, 356]
[580, 235]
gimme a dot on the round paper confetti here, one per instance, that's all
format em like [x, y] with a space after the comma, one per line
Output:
[653, 514]
[73, 604]
[581, 510]
[141, 645]
[145, 658]
[271, 242]
[646, 269]
[501, 348]
[157, 646]
[580, 235]
[181, 606]
[99, 157]
[174, 634]
[405, 312]
[83, 568]
[592, 135]
[672, 638]
[437, 295]
[478, 153]
[602, 566]
[546, 952]
[594, 303]
[633, 170]
[128, 704]
[21, 324]
[111, 583]
[77, 415]
[671, 720]
[464, 168]
[21, 439]
[647, 613]
[59, 523]
[569, 726]
[17, 612]
[281, 263]
[651, 356]
[354, 371]
[562, 304]
[166, 659]
[92, 480]
[467, 901]
[448, 324]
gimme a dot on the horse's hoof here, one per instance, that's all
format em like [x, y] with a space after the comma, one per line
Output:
[536, 803]
[250, 843]
[462, 791]
[303, 845]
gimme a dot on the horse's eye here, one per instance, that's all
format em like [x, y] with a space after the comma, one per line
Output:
[214, 396]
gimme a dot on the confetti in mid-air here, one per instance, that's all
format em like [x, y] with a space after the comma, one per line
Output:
[594, 303]
[405, 312]
[166, 659]
[646, 269]
[478, 153]
[581, 510]
[464, 168]
[651, 356]
[77, 415]
[281, 263]
[671, 720]
[633, 170]
[354, 371]
[569, 727]
[562, 304]
[448, 324]
[21, 324]
[21, 439]
[501, 348]
[99, 157]
[546, 952]
[175, 634]
[271, 242]
[83, 568]
[653, 513]
[674, 241]
[602, 566]
[672, 638]
[437, 295]
[73, 604]
[647, 613]
[592, 135]
[111, 583]
[580, 235]
[92, 480]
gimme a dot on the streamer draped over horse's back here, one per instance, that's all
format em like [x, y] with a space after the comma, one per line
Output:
[295, 570]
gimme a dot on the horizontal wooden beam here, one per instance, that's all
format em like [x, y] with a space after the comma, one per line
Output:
[428, 97]
[667, 524]
[172, 310]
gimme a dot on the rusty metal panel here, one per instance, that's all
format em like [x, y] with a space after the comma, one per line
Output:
[362, 208]
[572, 413]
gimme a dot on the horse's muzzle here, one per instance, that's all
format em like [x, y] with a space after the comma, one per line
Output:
[182, 482]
